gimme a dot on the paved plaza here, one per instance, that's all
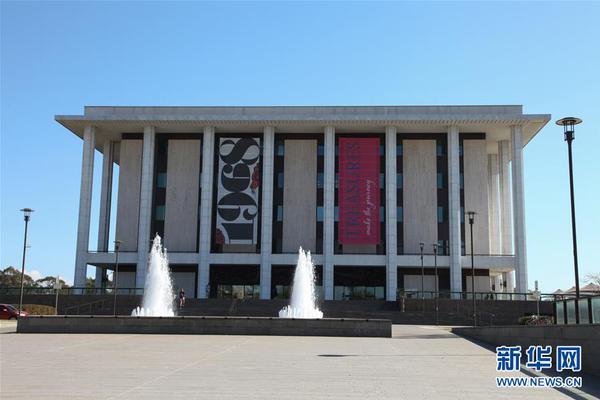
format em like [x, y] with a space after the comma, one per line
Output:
[419, 362]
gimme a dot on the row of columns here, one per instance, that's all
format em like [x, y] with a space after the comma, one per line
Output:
[505, 217]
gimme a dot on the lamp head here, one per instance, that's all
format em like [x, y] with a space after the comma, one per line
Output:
[117, 244]
[27, 213]
[568, 123]
[471, 215]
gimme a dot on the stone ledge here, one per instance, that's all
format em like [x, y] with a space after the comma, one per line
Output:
[207, 326]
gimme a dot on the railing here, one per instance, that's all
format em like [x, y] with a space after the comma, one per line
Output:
[565, 310]
[492, 296]
[71, 291]
[79, 307]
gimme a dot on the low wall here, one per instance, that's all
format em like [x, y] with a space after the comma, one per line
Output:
[586, 336]
[207, 326]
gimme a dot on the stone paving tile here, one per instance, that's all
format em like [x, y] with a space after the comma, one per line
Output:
[417, 363]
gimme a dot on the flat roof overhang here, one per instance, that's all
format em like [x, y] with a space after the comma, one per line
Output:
[492, 119]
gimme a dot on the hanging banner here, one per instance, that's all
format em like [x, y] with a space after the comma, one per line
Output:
[238, 191]
[358, 191]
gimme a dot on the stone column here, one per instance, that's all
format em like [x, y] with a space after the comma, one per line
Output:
[85, 205]
[105, 202]
[518, 195]
[145, 205]
[493, 206]
[208, 145]
[328, 211]
[391, 225]
[454, 212]
[266, 242]
[505, 201]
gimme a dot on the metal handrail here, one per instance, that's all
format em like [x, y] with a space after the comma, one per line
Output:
[79, 306]
[499, 296]
[70, 291]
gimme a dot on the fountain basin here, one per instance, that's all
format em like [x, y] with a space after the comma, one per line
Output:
[348, 327]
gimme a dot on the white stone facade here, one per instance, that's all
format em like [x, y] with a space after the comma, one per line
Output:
[482, 145]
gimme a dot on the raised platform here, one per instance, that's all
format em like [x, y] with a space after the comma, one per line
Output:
[207, 326]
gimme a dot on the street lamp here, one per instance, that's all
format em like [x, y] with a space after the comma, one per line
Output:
[568, 124]
[117, 245]
[437, 286]
[421, 245]
[27, 215]
[471, 215]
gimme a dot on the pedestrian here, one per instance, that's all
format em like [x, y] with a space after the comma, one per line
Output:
[181, 298]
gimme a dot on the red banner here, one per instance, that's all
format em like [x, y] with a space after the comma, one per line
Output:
[359, 191]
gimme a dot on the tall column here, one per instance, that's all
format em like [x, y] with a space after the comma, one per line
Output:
[208, 145]
[85, 205]
[505, 200]
[266, 213]
[105, 199]
[493, 206]
[516, 132]
[391, 224]
[145, 205]
[328, 211]
[454, 211]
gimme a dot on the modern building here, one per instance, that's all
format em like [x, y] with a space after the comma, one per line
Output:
[235, 191]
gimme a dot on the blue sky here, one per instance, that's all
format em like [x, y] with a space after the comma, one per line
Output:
[57, 57]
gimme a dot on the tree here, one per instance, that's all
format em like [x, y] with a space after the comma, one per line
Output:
[11, 277]
[593, 278]
[48, 282]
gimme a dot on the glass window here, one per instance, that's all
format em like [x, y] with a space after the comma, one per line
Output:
[381, 150]
[337, 180]
[399, 214]
[440, 180]
[336, 213]
[280, 180]
[460, 150]
[399, 149]
[320, 150]
[596, 310]
[584, 316]
[399, 179]
[440, 150]
[161, 180]
[560, 316]
[462, 215]
[319, 214]
[159, 213]
[440, 214]
[462, 180]
[571, 311]
[337, 150]
[280, 149]
[379, 292]
[381, 181]
[320, 180]
[279, 213]
[381, 213]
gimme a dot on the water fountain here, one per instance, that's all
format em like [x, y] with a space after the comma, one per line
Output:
[302, 304]
[158, 289]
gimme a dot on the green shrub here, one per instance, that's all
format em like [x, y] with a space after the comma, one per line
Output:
[38, 309]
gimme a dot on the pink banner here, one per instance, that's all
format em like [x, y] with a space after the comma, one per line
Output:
[359, 191]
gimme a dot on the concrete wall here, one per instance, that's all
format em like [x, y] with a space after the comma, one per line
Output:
[128, 204]
[482, 284]
[476, 195]
[300, 195]
[183, 183]
[420, 194]
[586, 336]
[207, 326]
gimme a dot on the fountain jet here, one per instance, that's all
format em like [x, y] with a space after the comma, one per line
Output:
[303, 301]
[158, 289]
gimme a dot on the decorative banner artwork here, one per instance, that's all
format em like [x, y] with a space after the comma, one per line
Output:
[359, 191]
[237, 191]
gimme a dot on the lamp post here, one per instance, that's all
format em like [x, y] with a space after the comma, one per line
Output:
[471, 215]
[437, 286]
[117, 245]
[27, 215]
[568, 124]
[421, 245]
